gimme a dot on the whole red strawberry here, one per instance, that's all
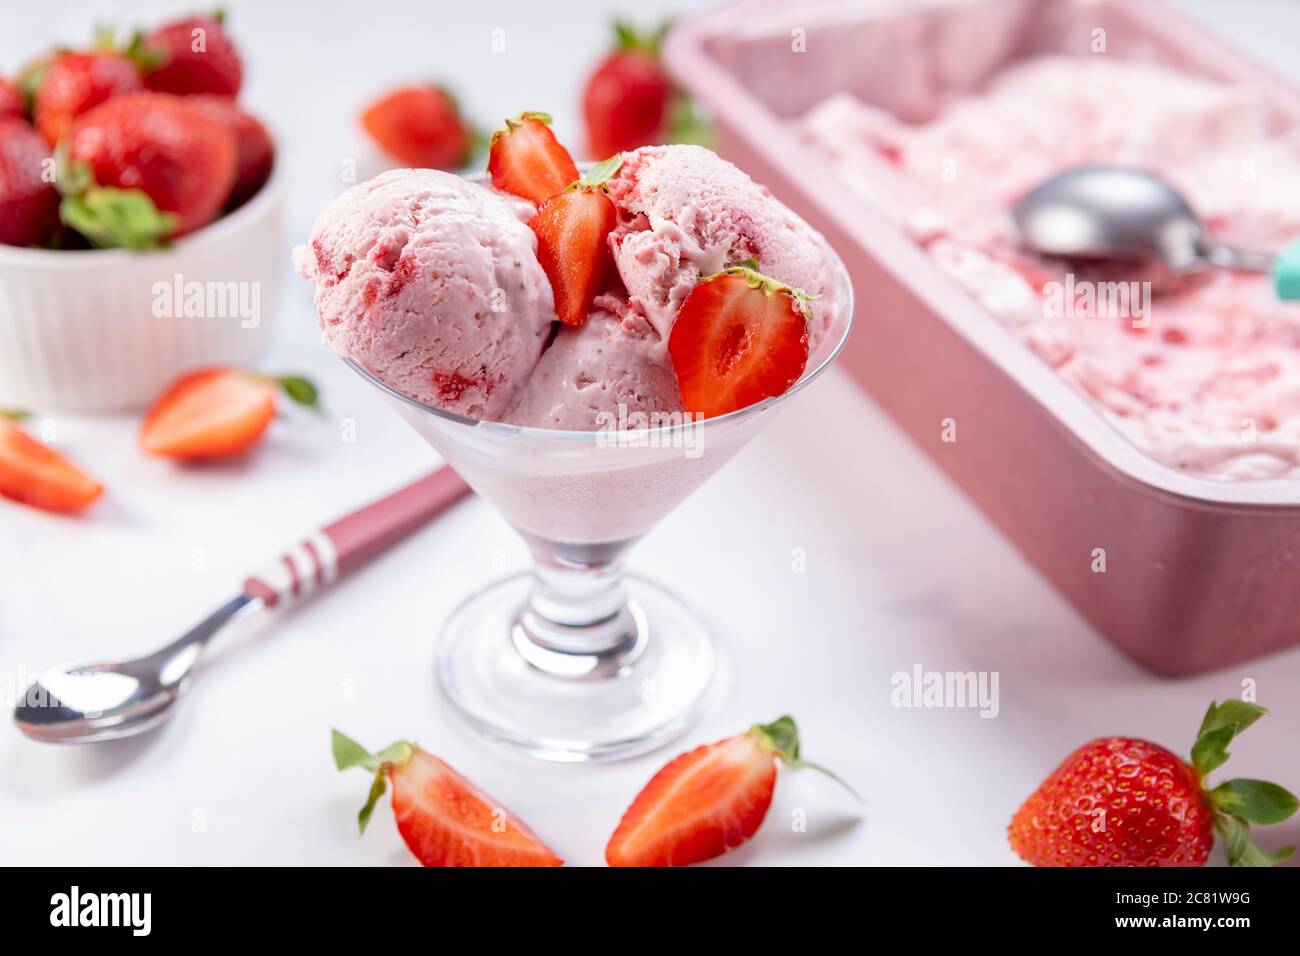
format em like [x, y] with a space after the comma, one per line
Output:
[254, 151]
[11, 101]
[1118, 801]
[146, 146]
[627, 99]
[195, 55]
[420, 126]
[74, 83]
[29, 205]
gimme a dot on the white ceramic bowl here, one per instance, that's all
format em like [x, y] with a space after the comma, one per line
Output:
[104, 330]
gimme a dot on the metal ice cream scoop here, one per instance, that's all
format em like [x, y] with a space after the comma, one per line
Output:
[1116, 212]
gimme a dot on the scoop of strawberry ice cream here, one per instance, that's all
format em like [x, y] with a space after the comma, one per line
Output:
[612, 371]
[685, 213]
[432, 283]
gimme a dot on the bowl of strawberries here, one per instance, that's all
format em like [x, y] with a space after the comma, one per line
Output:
[139, 219]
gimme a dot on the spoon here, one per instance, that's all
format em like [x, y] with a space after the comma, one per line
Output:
[105, 701]
[1117, 212]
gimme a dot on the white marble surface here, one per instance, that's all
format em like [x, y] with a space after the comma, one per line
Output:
[901, 570]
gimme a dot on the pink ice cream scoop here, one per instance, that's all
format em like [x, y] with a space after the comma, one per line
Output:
[432, 283]
[686, 213]
[612, 371]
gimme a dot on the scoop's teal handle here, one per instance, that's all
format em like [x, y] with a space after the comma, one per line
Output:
[1286, 273]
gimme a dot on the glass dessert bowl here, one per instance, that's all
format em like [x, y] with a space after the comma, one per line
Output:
[576, 660]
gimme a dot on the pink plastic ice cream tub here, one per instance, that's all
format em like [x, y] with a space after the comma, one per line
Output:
[1185, 573]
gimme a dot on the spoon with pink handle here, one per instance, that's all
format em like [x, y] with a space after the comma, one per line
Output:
[104, 701]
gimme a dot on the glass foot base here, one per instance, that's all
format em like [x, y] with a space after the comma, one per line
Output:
[643, 698]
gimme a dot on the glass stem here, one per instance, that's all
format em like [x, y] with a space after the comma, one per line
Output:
[577, 623]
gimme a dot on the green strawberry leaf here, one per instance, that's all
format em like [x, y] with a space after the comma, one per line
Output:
[15, 414]
[377, 788]
[1234, 713]
[781, 737]
[1255, 801]
[348, 753]
[1239, 849]
[1222, 723]
[628, 37]
[1239, 803]
[602, 172]
[118, 218]
[301, 389]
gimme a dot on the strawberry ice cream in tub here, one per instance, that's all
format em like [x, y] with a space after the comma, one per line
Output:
[1163, 448]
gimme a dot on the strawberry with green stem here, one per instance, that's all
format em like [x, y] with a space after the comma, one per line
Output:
[143, 168]
[572, 229]
[526, 160]
[1120, 801]
[629, 101]
[708, 800]
[739, 337]
[218, 413]
[444, 819]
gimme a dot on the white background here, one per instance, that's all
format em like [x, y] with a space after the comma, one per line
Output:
[901, 569]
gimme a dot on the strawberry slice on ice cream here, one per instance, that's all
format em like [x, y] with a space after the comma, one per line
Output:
[739, 337]
[573, 230]
[707, 801]
[444, 819]
[525, 159]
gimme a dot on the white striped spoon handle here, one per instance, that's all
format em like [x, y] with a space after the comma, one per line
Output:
[349, 542]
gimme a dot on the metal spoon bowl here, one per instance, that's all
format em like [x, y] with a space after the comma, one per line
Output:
[1117, 212]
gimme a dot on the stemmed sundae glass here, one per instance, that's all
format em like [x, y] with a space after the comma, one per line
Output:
[576, 660]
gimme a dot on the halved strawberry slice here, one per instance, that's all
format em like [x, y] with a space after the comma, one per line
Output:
[444, 819]
[707, 801]
[216, 413]
[35, 474]
[738, 338]
[526, 159]
[572, 229]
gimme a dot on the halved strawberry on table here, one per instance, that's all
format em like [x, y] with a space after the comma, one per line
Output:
[194, 55]
[709, 800]
[420, 126]
[29, 205]
[739, 337]
[142, 168]
[35, 474]
[526, 160]
[74, 83]
[1121, 801]
[572, 229]
[217, 413]
[444, 819]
